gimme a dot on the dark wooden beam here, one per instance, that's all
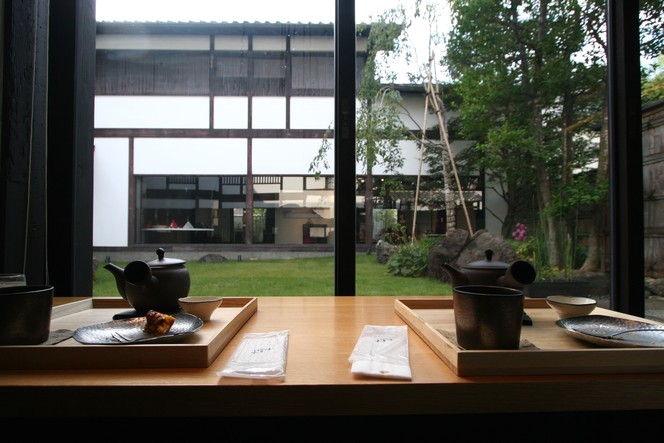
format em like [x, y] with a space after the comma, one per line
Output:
[22, 164]
[344, 149]
[626, 158]
[71, 146]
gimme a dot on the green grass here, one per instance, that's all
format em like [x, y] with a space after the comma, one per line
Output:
[287, 277]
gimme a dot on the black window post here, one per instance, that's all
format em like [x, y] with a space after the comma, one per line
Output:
[625, 158]
[344, 148]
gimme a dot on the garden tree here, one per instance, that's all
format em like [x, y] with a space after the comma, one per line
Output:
[438, 154]
[588, 190]
[532, 79]
[517, 68]
[652, 44]
[652, 88]
[493, 112]
[497, 54]
[379, 127]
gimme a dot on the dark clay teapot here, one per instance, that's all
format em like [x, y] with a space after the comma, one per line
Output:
[490, 272]
[154, 285]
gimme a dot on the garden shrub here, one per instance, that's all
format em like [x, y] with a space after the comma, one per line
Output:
[410, 259]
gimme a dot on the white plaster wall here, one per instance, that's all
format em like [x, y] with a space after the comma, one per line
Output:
[414, 118]
[231, 112]
[311, 43]
[153, 42]
[287, 156]
[190, 156]
[111, 192]
[152, 112]
[269, 113]
[217, 156]
[411, 155]
[288, 230]
[312, 112]
[231, 42]
[269, 43]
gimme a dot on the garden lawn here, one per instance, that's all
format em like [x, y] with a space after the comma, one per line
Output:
[287, 277]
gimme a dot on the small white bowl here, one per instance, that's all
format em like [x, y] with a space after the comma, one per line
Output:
[568, 306]
[202, 306]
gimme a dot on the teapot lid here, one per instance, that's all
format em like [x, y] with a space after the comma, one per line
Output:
[488, 263]
[163, 262]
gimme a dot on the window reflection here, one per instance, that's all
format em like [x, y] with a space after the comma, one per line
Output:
[251, 95]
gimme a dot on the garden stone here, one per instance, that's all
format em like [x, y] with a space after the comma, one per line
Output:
[483, 240]
[445, 251]
[655, 286]
[384, 251]
[212, 258]
[459, 249]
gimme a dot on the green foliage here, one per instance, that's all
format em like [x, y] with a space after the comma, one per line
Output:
[653, 83]
[395, 234]
[392, 231]
[410, 259]
[379, 126]
[533, 249]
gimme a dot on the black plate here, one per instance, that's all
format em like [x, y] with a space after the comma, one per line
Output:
[598, 329]
[130, 331]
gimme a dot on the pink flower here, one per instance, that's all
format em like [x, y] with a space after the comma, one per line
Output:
[521, 232]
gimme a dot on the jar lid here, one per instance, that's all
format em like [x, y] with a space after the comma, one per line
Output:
[163, 262]
[488, 263]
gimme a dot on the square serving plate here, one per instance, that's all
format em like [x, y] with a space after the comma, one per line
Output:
[546, 347]
[197, 350]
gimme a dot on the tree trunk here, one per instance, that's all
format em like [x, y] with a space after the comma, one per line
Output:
[551, 224]
[368, 208]
[594, 260]
[448, 164]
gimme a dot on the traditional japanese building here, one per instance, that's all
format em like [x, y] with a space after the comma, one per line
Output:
[199, 126]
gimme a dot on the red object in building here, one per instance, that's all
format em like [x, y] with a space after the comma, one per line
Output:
[173, 224]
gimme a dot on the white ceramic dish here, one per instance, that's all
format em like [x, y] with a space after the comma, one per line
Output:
[130, 331]
[201, 306]
[568, 306]
[614, 332]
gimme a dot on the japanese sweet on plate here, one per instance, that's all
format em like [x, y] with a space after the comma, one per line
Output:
[200, 306]
[568, 306]
[157, 323]
[132, 331]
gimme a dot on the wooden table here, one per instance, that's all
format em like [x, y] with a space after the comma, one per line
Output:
[322, 334]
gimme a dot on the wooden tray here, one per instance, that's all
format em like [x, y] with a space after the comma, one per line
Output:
[196, 351]
[546, 348]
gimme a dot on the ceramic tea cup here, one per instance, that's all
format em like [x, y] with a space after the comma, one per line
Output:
[488, 317]
[14, 279]
[25, 314]
[200, 306]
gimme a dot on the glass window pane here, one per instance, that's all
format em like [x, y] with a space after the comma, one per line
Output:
[652, 98]
[482, 136]
[195, 106]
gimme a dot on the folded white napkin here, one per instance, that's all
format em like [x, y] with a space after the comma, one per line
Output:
[382, 351]
[259, 355]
